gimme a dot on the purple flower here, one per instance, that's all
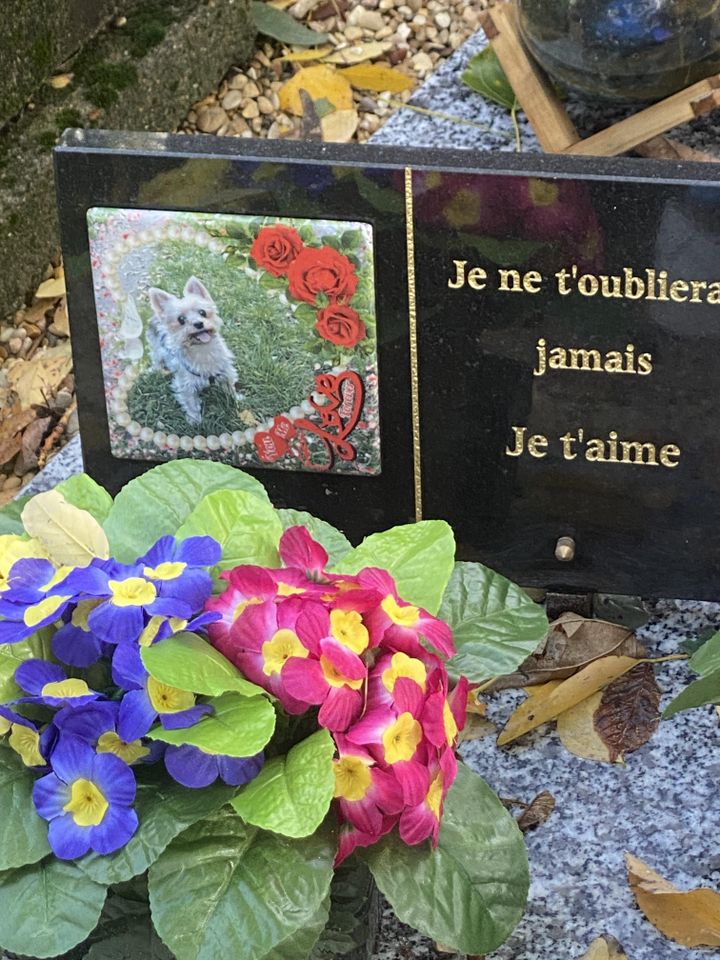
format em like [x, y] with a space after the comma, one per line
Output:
[194, 768]
[96, 724]
[37, 595]
[148, 700]
[49, 685]
[87, 799]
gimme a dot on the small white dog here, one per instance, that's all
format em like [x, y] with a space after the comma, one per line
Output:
[185, 340]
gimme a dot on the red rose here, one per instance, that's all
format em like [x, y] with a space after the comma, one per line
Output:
[340, 325]
[318, 270]
[275, 248]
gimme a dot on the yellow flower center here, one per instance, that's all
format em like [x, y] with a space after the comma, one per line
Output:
[87, 804]
[66, 689]
[41, 611]
[283, 645]
[5, 726]
[244, 604]
[352, 778]
[288, 590]
[26, 743]
[130, 752]
[400, 741]
[406, 616]
[451, 728]
[133, 592]
[56, 578]
[402, 665]
[349, 630]
[335, 678]
[167, 699]
[169, 570]
[147, 637]
[81, 613]
[434, 796]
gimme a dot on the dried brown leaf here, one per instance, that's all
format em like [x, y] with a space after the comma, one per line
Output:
[51, 289]
[629, 711]
[541, 707]
[537, 812]
[605, 948]
[339, 126]
[359, 52]
[477, 728]
[691, 918]
[576, 729]
[572, 643]
[31, 440]
[61, 323]
[37, 379]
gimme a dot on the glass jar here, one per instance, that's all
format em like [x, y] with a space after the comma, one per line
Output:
[625, 49]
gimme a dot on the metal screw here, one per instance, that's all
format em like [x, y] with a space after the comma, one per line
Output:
[565, 549]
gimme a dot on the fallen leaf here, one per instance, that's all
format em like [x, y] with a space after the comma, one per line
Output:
[321, 82]
[300, 56]
[339, 126]
[37, 379]
[486, 76]
[691, 918]
[31, 440]
[537, 812]
[279, 25]
[474, 705]
[378, 77]
[51, 289]
[60, 322]
[476, 728]
[301, 8]
[572, 642]
[281, 4]
[629, 711]
[71, 536]
[576, 729]
[61, 80]
[10, 448]
[359, 52]
[540, 708]
[605, 948]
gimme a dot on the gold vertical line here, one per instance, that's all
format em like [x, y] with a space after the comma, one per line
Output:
[412, 312]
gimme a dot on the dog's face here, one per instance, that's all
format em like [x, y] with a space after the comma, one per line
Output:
[190, 321]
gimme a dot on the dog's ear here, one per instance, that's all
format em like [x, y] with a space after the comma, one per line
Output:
[196, 288]
[160, 300]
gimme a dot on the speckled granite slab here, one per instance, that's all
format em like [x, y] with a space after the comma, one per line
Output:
[662, 806]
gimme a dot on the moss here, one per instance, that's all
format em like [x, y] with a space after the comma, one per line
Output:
[68, 118]
[147, 28]
[47, 139]
[105, 81]
[42, 52]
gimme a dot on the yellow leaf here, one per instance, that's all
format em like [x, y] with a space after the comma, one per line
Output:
[71, 536]
[339, 126]
[61, 80]
[298, 56]
[576, 729]
[605, 948]
[474, 705]
[321, 83]
[691, 918]
[541, 707]
[51, 289]
[378, 77]
[359, 52]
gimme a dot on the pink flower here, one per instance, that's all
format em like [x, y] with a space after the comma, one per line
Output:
[422, 821]
[367, 794]
[299, 550]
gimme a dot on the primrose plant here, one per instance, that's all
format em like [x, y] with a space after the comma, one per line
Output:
[210, 705]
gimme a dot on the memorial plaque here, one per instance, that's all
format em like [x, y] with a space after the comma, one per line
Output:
[525, 346]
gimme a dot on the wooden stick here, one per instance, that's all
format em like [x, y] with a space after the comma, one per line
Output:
[681, 107]
[553, 127]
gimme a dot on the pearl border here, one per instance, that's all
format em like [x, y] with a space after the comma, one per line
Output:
[118, 399]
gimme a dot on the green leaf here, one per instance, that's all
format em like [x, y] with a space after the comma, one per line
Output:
[164, 810]
[707, 659]
[225, 890]
[24, 831]
[188, 662]
[82, 492]
[292, 794]
[281, 26]
[47, 908]
[299, 945]
[126, 932]
[697, 694]
[10, 521]
[335, 542]
[247, 528]
[471, 891]
[13, 654]
[485, 75]
[495, 624]
[159, 501]
[239, 727]
[420, 556]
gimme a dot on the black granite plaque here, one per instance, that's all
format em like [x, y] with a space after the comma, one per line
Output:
[526, 347]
